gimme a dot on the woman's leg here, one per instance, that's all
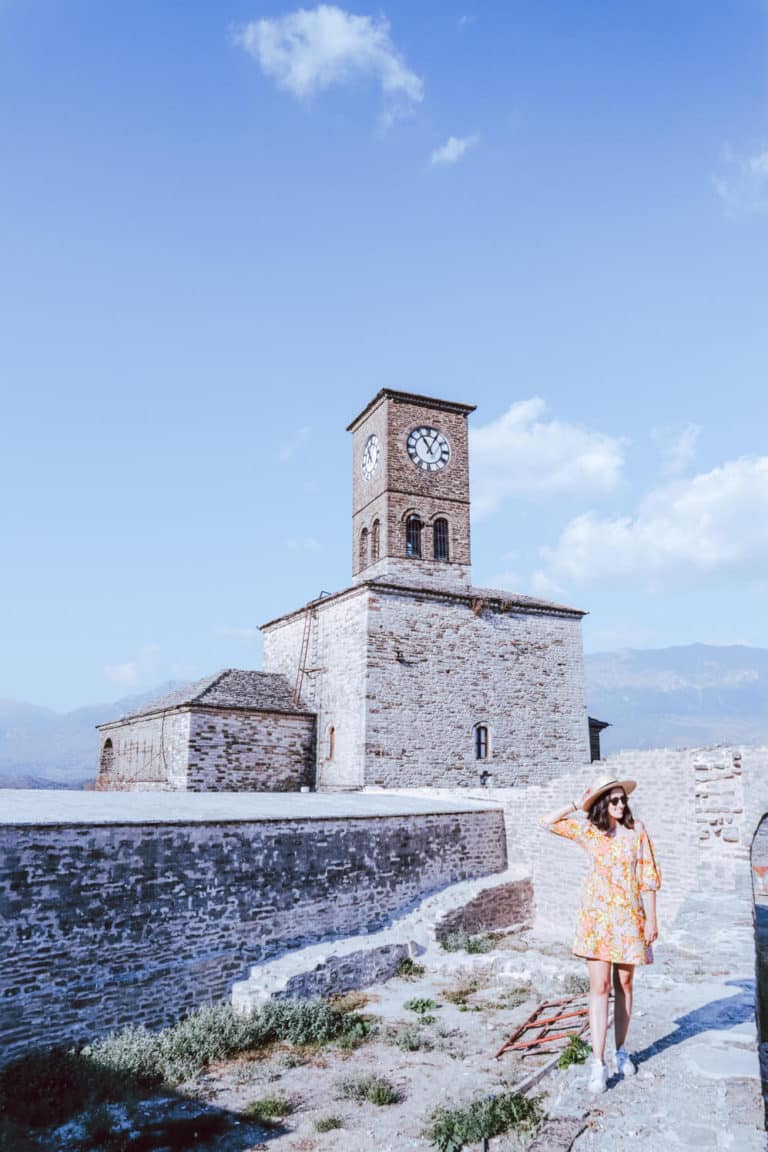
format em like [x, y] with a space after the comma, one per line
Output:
[599, 988]
[623, 976]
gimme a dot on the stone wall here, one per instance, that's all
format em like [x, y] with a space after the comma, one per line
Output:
[147, 753]
[701, 807]
[237, 751]
[437, 667]
[105, 925]
[334, 686]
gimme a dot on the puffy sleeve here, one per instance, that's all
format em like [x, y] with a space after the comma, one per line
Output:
[568, 827]
[649, 873]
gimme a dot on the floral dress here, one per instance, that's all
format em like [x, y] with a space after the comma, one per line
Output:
[611, 918]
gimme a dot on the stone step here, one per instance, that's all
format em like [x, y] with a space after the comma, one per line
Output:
[502, 902]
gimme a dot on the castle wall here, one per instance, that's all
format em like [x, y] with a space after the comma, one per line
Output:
[436, 669]
[147, 753]
[701, 807]
[237, 751]
[104, 924]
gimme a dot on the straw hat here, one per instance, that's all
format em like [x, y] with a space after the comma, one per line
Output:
[602, 784]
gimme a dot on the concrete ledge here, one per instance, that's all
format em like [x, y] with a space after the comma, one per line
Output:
[22, 806]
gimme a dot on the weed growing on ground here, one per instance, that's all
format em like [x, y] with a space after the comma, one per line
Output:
[576, 1051]
[374, 1089]
[410, 1039]
[269, 1108]
[454, 1128]
[474, 945]
[408, 969]
[463, 989]
[575, 984]
[328, 1123]
[421, 1005]
[50, 1085]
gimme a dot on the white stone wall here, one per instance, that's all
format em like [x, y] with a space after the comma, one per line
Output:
[148, 753]
[436, 669]
[334, 685]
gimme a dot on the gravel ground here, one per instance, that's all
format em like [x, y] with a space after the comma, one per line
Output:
[697, 1085]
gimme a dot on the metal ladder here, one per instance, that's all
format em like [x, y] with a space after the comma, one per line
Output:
[309, 614]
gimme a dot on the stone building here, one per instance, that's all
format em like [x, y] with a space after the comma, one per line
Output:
[411, 676]
[232, 732]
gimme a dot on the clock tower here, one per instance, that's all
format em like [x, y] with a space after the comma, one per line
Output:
[410, 491]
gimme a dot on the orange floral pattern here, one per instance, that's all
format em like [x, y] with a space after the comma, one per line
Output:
[611, 919]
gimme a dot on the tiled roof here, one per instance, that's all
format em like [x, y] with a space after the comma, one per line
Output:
[231, 688]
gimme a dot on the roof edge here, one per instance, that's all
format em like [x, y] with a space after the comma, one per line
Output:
[408, 397]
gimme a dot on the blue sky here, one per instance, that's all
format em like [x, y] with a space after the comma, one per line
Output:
[224, 226]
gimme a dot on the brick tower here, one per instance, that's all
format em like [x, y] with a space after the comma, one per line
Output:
[410, 491]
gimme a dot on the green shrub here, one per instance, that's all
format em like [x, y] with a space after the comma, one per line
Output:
[410, 1039]
[328, 1123]
[270, 1108]
[464, 942]
[408, 969]
[357, 1029]
[454, 1128]
[576, 1051]
[374, 1089]
[420, 1004]
[50, 1085]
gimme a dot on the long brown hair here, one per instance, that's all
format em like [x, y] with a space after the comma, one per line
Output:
[598, 813]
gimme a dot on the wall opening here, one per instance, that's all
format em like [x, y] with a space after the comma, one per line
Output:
[441, 538]
[413, 537]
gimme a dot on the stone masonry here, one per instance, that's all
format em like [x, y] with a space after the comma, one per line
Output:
[402, 676]
[233, 732]
[107, 924]
[398, 488]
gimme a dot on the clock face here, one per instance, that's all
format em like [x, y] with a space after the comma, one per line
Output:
[428, 449]
[371, 453]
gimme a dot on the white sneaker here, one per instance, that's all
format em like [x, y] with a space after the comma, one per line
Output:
[597, 1077]
[623, 1063]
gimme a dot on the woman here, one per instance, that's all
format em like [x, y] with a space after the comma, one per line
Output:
[617, 916]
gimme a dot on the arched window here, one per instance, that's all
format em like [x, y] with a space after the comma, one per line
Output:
[375, 533]
[331, 742]
[441, 538]
[107, 759]
[364, 548]
[413, 536]
[481, 742]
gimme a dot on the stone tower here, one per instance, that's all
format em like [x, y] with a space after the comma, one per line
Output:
[410, 491]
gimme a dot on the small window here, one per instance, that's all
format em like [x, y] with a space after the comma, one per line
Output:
[413, 536]
[481, 742]
[364, 548]
[441, 538]
[375, 534]
[331, 742]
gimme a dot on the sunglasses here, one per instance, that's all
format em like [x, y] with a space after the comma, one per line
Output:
[617, 800]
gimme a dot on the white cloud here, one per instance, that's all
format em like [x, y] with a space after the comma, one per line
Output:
[289, 449]
[303, 544]
[521, 454]
[713, 522]
[310, 50]
[145, 665]
[743, 185]
[452, 151]
[678, 448]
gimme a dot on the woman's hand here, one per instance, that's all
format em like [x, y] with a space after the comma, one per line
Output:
[651, 931]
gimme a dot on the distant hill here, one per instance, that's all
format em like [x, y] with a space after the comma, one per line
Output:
[685, 697]
[40, 748]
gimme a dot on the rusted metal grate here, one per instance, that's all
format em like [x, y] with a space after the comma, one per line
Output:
[547, 1026]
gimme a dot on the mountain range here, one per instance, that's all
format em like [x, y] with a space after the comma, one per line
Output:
[690, 696]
